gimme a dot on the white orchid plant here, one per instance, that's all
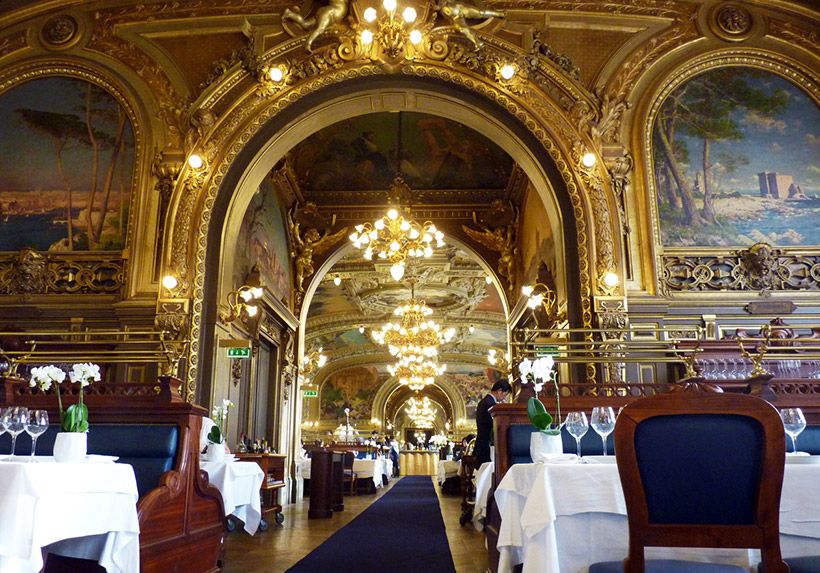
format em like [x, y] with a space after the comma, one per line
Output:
[75, 417]
[220, 417]
[540, 372]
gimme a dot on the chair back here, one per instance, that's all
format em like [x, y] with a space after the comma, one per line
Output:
[347, 463]
[701, 470]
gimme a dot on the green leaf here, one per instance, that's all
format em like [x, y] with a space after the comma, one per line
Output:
[215, 435]
[539, 417]
[75, 419]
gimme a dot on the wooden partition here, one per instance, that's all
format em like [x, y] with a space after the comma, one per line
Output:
[182, 521]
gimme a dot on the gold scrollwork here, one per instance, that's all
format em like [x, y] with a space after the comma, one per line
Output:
[29, 272]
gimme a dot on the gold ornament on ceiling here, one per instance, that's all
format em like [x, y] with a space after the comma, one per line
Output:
[421, 412]
[414, 334]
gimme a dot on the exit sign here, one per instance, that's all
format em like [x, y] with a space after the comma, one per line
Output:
[310, 393]
[239, 353]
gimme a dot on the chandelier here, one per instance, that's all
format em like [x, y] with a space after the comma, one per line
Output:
[421, 412]
[413, 334]
[395, 239]
[416, 372]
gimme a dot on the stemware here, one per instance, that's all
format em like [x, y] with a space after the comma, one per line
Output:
[37, 424]
[794, 422]
[577, 425]
[603, 422]
[16, 420]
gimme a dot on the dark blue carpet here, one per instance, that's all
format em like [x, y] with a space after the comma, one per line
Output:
[402, 532]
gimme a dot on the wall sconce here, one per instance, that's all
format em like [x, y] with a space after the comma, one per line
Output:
[589, 160]
[170, 282]
[539, 294]
[240, 300]
[500, 359]
[361, 328]
[507, 72]
[471, 328]
[611, 279]
[195, 161]
[337, 280]
[312, 361]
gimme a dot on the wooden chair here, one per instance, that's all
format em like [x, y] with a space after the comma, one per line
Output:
[349, 475]
[700, 470]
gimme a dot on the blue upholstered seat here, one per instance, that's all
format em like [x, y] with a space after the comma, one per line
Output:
[807, 441]
[809, 564]
[518, 442]
[668, 566]
[149, 449]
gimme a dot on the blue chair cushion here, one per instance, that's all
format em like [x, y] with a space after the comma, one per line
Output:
[807, 441]
[700, 484]
[810, 564]
[668, 566]
[149, 449]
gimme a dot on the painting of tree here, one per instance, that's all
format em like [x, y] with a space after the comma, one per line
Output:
[66, 159]
[712, 138]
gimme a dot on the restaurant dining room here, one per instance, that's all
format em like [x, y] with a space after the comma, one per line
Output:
[507, 286]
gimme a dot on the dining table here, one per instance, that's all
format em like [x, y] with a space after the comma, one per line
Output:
[561, 517]
[483, 483]
[86, 510]
[239, 483]
[446, 469]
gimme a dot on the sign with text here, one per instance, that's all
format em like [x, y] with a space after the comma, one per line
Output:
[310, 393]
[240, 353]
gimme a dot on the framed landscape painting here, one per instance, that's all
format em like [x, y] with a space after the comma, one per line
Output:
[736, 161]
[66, 167]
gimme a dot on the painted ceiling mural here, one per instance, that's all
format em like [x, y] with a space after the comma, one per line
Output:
[263, 242]
[429, 152]
[352, 388]
[73, 189]
[737, 161]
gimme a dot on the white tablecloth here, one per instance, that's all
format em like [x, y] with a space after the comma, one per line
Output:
[369, 468]
[483, 481]
[44, 503]
[239, 484]
[447, 468]
[580, 509]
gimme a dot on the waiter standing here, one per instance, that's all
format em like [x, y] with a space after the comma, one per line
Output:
[484, 421]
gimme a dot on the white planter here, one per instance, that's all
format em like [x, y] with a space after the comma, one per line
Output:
[542, 446]
[70, 447]
[214, 452]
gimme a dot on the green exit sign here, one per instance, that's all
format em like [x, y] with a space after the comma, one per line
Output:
[310, 393]
[239, 352]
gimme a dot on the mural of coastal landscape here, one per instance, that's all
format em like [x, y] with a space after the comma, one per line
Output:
[66, 164]
[262, 241]
[352, 388]
[736, 156]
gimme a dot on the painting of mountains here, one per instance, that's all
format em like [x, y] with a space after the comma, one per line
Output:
[736, 160]
[66, 167]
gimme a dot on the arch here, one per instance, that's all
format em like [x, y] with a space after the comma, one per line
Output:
[392, 385]
[545, 168]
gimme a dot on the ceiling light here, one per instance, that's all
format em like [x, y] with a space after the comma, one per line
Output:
[195, 161]
[370, 14]
[389, 5]
[488, 279]
[589, 159]
[170, 282]
[611, 279]
[276, 74]
[415, 37]
[507, 71]
[337, 280]
[409, 14]
[472, 328]
[367, 37]
[361, 328]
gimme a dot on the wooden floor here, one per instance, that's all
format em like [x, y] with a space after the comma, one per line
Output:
[280, 547]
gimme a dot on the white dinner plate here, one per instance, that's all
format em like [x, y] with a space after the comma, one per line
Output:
[98, 459]
[803, 459]
[599, 459]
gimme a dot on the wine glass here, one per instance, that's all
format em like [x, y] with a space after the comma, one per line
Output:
[16, 420]
[794, 422]
[37, 424]
[577, 425]
[603, 422]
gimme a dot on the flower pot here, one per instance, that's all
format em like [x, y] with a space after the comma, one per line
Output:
[214, 452]
[542, 446]
[70, 447]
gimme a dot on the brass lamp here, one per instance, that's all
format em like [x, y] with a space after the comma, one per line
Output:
[242, 299]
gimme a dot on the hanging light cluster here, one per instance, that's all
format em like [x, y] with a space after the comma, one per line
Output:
[416, 372]
[393, 238]
[413, 334]
[421, 412]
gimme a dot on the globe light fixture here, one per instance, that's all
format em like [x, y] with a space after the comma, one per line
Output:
[414, 333]
[589, 159]
[195, 161]
[170, 282]
[507, 71]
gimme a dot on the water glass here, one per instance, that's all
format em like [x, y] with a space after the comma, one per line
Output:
[577, 426]
[16, 419]
[37, 424]
[603, 422]
[794, 422]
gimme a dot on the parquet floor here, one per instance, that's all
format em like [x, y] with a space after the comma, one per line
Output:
[280, 547]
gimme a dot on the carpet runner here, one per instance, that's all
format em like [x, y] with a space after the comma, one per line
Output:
[402, 532]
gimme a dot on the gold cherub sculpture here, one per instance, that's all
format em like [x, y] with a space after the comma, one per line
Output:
[326, 16]
[457, 13]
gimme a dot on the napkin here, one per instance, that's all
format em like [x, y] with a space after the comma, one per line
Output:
[98, 459]
[560, 458]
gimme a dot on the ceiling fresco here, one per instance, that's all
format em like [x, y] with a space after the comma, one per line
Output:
[430, 153]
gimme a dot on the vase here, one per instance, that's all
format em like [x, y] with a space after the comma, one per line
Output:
[214, 452]
[542, 446]
[70, 447]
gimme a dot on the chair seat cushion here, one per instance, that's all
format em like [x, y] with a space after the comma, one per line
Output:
[668, 566]
[809, 564]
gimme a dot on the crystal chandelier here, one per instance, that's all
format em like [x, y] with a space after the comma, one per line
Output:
[416, 372]
[394, 238]
[414, 334]
[421, 412]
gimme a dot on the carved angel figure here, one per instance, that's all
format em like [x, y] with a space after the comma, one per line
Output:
[325, 17]
[304, 245]
[502, 240]
[457, 13]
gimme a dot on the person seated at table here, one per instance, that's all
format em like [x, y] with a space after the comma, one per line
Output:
[484, 420]
[460, 450]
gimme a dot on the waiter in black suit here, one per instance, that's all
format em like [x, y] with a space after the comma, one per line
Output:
[484, 421]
